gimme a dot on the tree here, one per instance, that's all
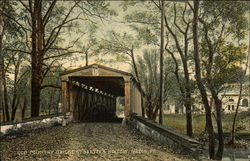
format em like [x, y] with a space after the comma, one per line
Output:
[149, 75]
[200, 84]
[2, 27]
[161, 65]
[148, 72]
[41, 44]
[49, 96]
[177, 25]
[10, 30]
[221, 48]
[179, 36]
[47, 21]
[219, 55]
[90, 47]
[18, 75]
[241, 81]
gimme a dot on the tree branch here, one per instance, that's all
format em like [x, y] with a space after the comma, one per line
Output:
[174, 36]
[64, 54]
[16, 50]
[26, 7]
[50, 41]
[178, 27]
[48, 13]
[158, 6]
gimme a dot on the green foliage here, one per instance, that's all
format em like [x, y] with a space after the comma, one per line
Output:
[148, 70]
[118, 45]
[234, 13]
[145, 22]
[224, 27]
[227, 64]
[149, 75]
[50, 96]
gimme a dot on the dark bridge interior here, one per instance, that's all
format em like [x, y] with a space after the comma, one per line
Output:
[93, 98]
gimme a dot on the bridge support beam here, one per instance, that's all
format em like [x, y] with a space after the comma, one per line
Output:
[127, 97]
[65, 96]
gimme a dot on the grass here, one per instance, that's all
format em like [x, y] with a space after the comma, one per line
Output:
[178, 122]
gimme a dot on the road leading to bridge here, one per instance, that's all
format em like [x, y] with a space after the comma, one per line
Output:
[86, 141]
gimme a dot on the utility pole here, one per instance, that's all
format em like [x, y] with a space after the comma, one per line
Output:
[161, 64]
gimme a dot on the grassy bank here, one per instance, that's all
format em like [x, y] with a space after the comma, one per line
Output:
[178, 122]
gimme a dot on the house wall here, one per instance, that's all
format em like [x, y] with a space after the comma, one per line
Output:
[229, 104]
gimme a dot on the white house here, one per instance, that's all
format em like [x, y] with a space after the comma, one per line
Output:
[229, 102]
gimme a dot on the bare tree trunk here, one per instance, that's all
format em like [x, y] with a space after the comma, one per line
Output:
[3, 112]
[15, 102]
[186, 91]
[6, 100]
[189, 124]
[142, 106]
[220, 130]
[36, 58]
[13, 114]
[161, 65]
[13, 107]
[232, 141]
[3, 87]
[24, 107]
[218, 108]
[200, 83]
[86, 58]
[188, 104]
[35, 95]
[1, 60]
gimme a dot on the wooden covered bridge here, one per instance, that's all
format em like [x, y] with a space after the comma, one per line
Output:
[89, 93]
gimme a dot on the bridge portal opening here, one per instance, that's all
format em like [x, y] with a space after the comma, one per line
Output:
[95, 99]
[92, 93]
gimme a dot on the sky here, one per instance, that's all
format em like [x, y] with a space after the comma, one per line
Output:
[116, 25]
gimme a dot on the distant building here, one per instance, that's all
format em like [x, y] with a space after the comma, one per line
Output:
[229, 102]
[173, 107]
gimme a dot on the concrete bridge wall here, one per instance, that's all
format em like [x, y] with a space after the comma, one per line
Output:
[167, 136]
[31, 124]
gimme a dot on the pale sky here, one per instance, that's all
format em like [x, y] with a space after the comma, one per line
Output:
[104, 27]
[118, 27]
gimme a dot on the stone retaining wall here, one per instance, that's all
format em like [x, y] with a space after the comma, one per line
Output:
[167, 136]
[33, 123]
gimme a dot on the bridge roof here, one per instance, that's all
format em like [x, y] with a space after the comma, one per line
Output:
[95, 65]
[104, 78]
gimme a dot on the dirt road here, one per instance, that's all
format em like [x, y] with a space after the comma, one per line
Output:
[86, 141]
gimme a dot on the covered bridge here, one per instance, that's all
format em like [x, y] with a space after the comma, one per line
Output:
[89, 93]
